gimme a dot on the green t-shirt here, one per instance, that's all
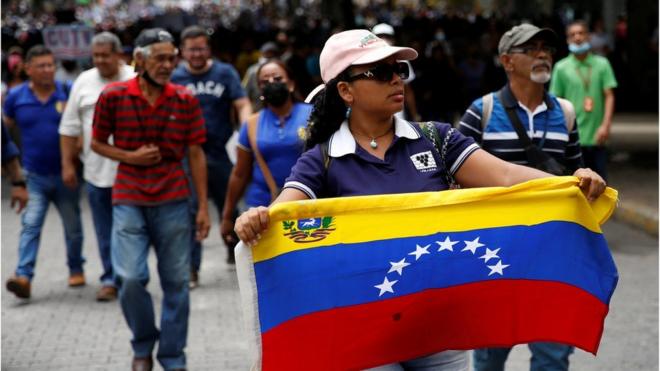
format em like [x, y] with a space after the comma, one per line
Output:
[568, 83]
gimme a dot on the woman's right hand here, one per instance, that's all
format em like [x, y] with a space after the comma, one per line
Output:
[251, 223]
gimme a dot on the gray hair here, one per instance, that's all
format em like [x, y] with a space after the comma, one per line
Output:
[108, 38]
[145, 51]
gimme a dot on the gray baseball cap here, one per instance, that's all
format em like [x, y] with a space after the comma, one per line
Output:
[520, 34]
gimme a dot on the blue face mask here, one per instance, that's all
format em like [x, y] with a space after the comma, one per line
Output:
[579, 49]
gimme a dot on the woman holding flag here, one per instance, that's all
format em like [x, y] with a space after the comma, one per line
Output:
[358, 148]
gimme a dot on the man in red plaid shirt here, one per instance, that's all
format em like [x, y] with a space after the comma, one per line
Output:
[153, 124]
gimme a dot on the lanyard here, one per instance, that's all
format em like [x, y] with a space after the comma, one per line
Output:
[586, 81]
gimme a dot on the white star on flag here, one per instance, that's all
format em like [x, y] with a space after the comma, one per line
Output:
[398, 266]
[447, 244]
[386, 286]
[497, 268]
[472, 245]
[419, 251]
[490, 254]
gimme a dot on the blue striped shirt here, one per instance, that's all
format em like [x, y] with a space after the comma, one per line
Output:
[546, 126]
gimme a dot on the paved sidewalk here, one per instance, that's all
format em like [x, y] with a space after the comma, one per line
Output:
[65, 329]
[633, 169]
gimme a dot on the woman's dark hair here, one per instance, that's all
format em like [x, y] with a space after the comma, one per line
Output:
[328, 114]
[289, 75]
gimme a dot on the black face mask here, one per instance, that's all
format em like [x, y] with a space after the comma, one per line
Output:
[276, 93]
[150, 80]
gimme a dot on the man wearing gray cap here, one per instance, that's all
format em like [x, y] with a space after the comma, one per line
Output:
[524, 124]
[153, 124]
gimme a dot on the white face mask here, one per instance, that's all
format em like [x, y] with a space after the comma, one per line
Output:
[540, 77]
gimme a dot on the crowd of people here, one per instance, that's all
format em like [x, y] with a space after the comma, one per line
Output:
[148, 140]
[464, 43]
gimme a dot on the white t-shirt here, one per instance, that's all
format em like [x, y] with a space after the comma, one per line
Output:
[78, 117]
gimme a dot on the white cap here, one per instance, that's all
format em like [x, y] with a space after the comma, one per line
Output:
[383, 29]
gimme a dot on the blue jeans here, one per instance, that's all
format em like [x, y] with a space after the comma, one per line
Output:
[218, 179]
[42, 190]
[134, 229]
[545, 357]
[100, 202]
[449, 360]
[595, 158]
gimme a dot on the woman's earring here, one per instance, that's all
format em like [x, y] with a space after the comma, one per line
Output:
[348, 112]
[261, 98]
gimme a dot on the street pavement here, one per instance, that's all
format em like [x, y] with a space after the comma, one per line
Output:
[633, 169]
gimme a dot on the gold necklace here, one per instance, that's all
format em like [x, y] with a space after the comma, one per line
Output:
[373, 143]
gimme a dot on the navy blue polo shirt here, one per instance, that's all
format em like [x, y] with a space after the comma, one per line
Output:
[216, 90]
[38, 122]
[411, 164]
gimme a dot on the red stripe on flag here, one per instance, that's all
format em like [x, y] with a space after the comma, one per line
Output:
[478, 315]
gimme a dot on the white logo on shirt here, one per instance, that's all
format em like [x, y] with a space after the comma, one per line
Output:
[424, 161]
[207, 87]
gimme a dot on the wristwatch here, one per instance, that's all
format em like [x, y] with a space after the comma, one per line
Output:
[18, 183]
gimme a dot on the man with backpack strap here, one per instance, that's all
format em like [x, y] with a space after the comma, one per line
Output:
[524, 124]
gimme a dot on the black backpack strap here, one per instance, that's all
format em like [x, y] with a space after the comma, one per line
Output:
[325, 156]
[535, 156]
[430, 131]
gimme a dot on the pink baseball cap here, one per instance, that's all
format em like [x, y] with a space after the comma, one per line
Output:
[356, 47]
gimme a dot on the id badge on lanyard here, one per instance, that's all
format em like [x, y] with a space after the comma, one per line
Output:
[588, 102]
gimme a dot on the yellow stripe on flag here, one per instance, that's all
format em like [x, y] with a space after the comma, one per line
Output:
[369, 218]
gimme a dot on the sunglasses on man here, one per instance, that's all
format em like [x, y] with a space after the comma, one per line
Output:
[383, 72]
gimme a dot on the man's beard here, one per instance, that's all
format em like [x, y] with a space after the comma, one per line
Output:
[543, 76]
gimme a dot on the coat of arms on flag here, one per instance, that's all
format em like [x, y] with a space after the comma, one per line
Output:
[396, 277]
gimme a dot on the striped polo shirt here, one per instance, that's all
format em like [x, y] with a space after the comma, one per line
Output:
[546, 126]
[173, 123]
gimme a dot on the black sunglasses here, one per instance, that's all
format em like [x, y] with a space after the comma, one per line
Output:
[383, 72]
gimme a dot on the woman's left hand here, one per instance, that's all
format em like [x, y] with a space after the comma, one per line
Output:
[591, 183]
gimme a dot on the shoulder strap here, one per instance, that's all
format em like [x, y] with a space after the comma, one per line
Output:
[487, 109]
[324, 154]
[569, 113]
[517, 125]
[252, 123]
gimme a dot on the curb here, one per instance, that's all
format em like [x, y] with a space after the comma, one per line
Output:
[638, 216]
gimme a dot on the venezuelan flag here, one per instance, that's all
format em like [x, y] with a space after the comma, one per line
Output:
[357, 282]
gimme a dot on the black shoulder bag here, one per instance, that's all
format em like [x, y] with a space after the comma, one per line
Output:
[536, 157]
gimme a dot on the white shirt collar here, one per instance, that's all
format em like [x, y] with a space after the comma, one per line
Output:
[342, 141]
[540, 108]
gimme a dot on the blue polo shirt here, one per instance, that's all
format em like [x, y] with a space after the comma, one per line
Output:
[216, 90]
[38, 123]
[279, 144]
[9, 149]
[411, 164]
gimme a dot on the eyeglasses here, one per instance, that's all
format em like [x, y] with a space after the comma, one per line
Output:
[197, 50]
[533, 49]
[384, 72]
